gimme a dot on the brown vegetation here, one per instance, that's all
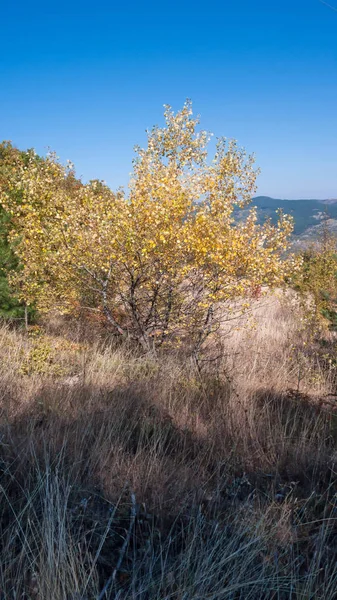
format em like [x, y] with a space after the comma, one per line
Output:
[125, 476]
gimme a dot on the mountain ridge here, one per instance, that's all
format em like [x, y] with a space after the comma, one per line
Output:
[307, 213]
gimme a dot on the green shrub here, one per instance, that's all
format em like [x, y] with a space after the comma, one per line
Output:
[317, 279]
[10, 306]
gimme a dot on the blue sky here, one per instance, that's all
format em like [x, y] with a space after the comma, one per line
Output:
[87, 79]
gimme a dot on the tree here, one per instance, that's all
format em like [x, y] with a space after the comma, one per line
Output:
[161, 263]
[10, 306]
[316, 280]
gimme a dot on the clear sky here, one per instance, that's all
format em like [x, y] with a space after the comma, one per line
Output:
[87, 79]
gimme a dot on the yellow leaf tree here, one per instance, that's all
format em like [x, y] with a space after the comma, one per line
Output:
[160, 262]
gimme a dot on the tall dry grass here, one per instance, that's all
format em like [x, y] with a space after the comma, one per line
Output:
[133, 478]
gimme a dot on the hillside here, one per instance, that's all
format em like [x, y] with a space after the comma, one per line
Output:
[307, 213]
[168, 416]
[127, 477]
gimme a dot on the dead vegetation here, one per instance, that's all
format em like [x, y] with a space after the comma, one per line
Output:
[127, 477]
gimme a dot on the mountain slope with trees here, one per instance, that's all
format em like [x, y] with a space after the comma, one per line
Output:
[306, 213]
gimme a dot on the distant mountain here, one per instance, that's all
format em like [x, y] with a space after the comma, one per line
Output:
[308, 214]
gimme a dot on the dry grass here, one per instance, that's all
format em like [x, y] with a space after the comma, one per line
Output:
[125, 477]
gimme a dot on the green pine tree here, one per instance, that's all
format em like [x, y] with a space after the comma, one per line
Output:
[10, 306]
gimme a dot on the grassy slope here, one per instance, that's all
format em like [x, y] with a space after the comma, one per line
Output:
[158, 483]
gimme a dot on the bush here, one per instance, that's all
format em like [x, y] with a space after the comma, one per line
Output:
[10, 306]
[317, 280]
[161, 264]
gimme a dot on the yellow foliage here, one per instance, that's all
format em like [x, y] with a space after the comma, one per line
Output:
[159, 261]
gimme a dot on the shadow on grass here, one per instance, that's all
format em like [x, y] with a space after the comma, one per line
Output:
[95, 445]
